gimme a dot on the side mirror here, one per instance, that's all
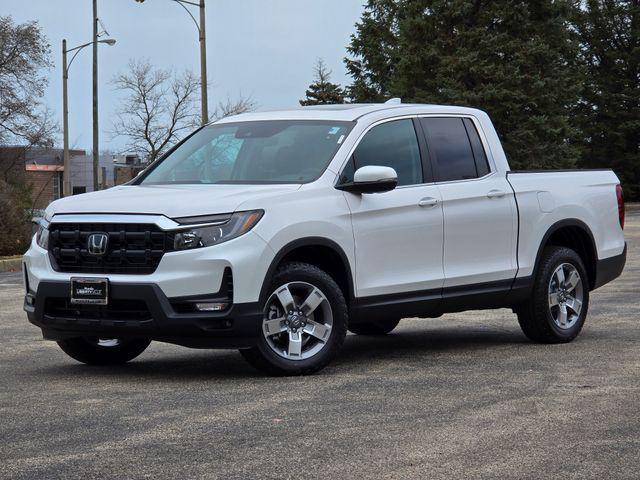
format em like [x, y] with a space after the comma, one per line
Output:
[371, 179]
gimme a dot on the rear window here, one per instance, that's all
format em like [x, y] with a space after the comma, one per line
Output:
[455, 148]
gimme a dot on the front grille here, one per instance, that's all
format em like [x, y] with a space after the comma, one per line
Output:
[131, 248]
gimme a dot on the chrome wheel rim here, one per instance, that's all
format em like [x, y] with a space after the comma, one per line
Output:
[566, 295]
[297, 321]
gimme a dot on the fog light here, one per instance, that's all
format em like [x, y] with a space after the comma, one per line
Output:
[30, 299]
[211, 307]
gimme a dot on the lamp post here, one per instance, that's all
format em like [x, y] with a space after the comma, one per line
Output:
[203, 52]
[96, 143]
[66, 174]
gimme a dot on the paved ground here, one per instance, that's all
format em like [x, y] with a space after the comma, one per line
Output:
[465, 396]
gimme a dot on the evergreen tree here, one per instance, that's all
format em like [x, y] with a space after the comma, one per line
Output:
[322, 91]
[374, 51]
[610, 35]
[517, 60]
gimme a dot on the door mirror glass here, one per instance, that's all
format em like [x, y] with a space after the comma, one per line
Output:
[371, 179]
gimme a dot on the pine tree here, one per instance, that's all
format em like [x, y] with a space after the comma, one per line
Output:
[374, 51]
[517, 60]
[610, 36]
[322, 91]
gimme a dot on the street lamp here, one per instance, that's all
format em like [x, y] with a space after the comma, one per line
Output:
[66, 174]
[203, 52]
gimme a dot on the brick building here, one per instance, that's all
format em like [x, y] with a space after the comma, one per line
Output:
[42, 169]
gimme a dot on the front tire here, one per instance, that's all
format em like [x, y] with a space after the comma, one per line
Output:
[376, 327]
[99, 351]
[304, 323]
[560, 299]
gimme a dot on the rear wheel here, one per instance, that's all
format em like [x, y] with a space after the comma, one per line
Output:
[560, 299]
[377, 327]
[304, 322]
[103, 351]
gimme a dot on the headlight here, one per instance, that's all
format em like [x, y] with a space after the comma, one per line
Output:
[197, 237]
[42, 236]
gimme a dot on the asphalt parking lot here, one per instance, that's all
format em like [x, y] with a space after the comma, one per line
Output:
[464, 396]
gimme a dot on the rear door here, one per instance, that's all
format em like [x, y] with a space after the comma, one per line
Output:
[398, 234]
[480, 216]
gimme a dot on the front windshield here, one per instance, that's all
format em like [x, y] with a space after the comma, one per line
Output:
[261, 152]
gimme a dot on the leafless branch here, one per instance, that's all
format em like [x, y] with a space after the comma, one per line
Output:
[158, 106]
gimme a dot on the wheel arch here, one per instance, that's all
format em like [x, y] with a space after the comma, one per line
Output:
[575, 234]
[319, 251]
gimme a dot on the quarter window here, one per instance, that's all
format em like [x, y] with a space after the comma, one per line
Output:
[455, 148]
[391, 144]
[482, 165]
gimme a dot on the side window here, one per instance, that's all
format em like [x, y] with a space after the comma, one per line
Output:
[391, 144]
[482, 165]
[450, 148]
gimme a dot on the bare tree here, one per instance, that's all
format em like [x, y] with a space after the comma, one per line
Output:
[234, 107]
[24, 55]
[159, 106]
[24, 123]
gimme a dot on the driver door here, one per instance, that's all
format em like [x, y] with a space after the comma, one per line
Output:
[398, 234]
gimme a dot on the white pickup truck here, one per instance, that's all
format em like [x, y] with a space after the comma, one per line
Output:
[277, 232]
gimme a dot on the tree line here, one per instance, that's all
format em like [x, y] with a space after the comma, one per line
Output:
[560, 79]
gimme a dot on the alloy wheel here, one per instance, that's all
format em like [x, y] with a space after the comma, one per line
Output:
[297, 320]
[566, 295]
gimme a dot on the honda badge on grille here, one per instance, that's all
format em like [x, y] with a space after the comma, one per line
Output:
[97, 243]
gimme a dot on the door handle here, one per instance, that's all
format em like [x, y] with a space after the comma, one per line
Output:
[495, 194]
[428, 202]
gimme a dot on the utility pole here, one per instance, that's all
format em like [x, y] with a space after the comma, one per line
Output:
[96, 144]
[66, 173]
[203, 66]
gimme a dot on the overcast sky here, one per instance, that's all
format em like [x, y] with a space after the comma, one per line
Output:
[265, 49]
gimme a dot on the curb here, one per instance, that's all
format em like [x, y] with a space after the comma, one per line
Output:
[11, 264]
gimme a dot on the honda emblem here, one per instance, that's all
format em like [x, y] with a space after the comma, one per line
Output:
[97, 243]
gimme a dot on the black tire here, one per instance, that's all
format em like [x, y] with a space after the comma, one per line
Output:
[265, 359]
[376, 327]
[88, 350]
[535, 316]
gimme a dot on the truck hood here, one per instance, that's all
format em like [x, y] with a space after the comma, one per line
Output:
[172, 201]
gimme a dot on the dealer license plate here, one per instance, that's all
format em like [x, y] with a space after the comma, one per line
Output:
[93, 291]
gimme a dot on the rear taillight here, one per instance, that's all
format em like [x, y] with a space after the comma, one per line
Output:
[620, 205]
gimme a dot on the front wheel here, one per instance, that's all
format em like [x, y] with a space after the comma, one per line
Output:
[304, 322]
[560, 299]
[103, 351]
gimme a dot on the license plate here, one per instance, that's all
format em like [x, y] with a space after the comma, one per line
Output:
[93, 291]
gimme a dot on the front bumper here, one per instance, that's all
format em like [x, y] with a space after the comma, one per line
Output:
[237, 327]
[190, 272]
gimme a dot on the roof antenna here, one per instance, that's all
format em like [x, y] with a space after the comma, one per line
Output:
[393, 101]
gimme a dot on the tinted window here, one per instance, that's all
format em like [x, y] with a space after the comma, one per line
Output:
[391, 144]
[450, 149]
[476, 146]
[282, 151]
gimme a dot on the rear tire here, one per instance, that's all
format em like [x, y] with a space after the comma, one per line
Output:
[559, 302]
[304, 323]
[377, 327]
[96, 351]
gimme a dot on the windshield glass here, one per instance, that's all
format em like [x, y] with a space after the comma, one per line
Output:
[279, 151]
